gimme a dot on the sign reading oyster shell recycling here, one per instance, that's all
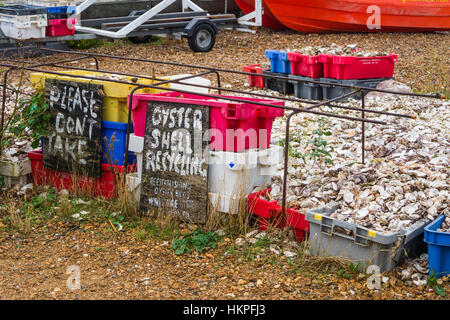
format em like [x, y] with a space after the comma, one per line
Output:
[175, 171]
[74, 142]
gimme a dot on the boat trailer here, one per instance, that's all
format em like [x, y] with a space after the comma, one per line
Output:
[198, 26]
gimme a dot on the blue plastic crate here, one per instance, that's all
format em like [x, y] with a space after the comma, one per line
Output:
[53, 10]
[66, 9]
[438, 249]
[117, 152]
[279, 61]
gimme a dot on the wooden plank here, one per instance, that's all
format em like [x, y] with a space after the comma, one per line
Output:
[175, 171]
[75, 140]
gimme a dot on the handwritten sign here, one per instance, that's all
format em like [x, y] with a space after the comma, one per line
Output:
[175, 171]
[74, 143]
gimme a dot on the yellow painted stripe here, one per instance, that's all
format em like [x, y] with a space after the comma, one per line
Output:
[372, 233]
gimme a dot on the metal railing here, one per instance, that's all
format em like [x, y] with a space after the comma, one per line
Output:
[205, 70]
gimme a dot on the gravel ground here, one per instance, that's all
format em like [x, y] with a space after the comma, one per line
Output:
[117, 266]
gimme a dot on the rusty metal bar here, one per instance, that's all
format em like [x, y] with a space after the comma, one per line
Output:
[437, 96]
[219, 89]
[156, 86]
[210, 87]
[52, 63]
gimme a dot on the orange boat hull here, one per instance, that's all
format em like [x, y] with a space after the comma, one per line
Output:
[361, 15]
[268, 19]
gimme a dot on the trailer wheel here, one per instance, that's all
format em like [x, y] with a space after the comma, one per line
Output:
[138, 40]
[202, 39]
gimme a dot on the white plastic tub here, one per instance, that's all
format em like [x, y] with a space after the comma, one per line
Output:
[15, 173]
[134, 185]
[183, 85]
[22, 23]
[136, 145]
[232, 176]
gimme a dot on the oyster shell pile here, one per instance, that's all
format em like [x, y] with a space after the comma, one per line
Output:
[415, 271]
[265, 65]
[17, 150]
[18, 147]
[406, 175]
[341, 50]
[445, 227]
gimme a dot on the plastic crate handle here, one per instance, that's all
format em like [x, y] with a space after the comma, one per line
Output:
[394, 57]
[231, 111]
[330, 227]
[295, 56]
[344, 59]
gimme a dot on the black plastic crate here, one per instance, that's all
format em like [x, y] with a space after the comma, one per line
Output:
[22, 10]
[331, 92]
[305, 90]
[281, 85]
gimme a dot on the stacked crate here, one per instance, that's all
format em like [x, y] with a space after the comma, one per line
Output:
[58, 14]
[36, 19]
[279, 66]
[235, 165]
[114, 124]
[22, 22]
[334, 70]
[306, 71]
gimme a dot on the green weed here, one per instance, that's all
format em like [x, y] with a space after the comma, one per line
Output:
[315, 148]
[85, 44]
[197, 240]
[432, 282]
[32, 120]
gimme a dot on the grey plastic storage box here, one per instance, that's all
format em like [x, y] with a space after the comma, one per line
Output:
[281, 85]
[331, 92]
[306, 90]
[336, 238]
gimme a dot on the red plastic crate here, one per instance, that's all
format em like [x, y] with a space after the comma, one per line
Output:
[269, 211]
[255, 81]
[103, 186]
[265, 210]
[305, 65]
[351, 68]
[60, 27]
[222, 116]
